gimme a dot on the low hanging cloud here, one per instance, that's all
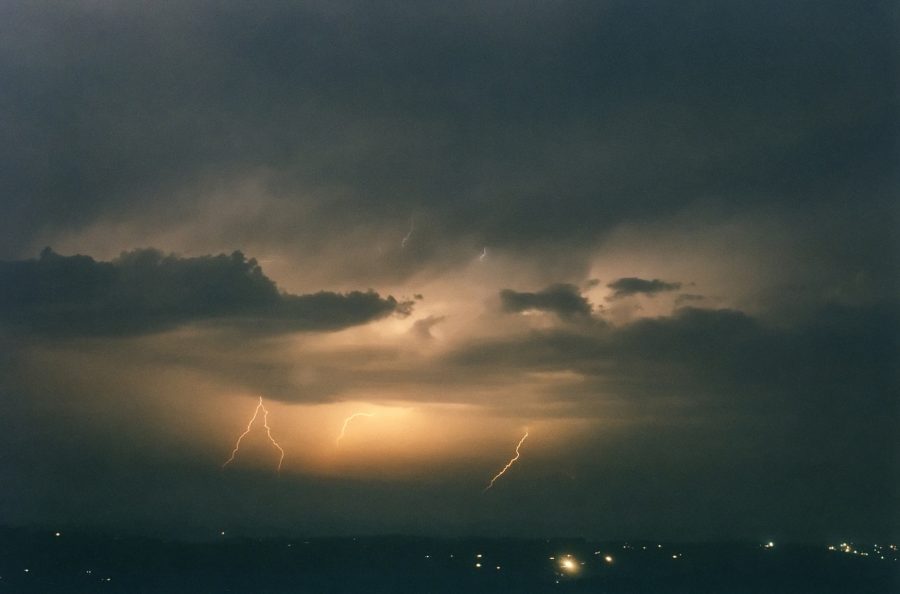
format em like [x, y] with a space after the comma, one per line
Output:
[628, 286]
[838, 359]
[564, 300]
[146, 291]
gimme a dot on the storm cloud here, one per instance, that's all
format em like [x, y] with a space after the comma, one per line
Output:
[530, 130]
[564, 300]
[837, 369]
[626, 287]
[147, 291]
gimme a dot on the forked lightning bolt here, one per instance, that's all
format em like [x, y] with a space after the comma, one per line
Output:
[237, 444]
[347, 422]
[508, 464]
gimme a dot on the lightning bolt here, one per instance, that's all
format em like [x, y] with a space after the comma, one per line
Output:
[508, 464]
[408, 235]
[237, 444]
[347, 422]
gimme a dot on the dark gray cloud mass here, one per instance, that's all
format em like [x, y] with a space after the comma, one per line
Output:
[564, 300]
[840, 356]
[518, 127]
[146, 291]
[625, 287]
[820, 400]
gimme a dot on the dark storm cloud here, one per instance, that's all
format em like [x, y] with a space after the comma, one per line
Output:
[840, 358]
[564, 300]
[514, 126]
[625, 287]
[146, 291]
[691, 333]
[738, 402]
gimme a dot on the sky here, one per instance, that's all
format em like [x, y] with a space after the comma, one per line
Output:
[659, 238]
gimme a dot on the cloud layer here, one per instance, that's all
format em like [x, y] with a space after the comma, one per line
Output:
[564, 300]
[626, 287]
[146, 291]
[303, 129]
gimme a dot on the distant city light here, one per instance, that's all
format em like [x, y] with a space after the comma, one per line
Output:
[849, 548]
[568, 564]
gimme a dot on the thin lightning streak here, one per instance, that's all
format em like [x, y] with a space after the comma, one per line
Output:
[237, 444]
[269, 433]
[508, 464]
[408, 235]
[347, 422]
